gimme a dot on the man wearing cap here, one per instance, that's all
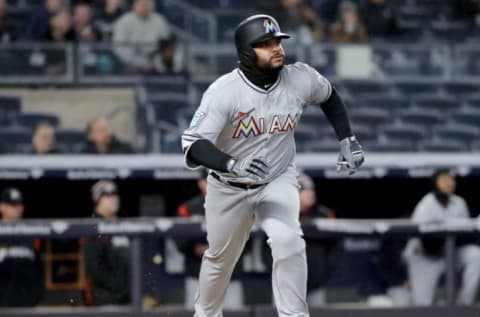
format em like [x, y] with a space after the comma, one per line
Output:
[21, 282]
[107, 258]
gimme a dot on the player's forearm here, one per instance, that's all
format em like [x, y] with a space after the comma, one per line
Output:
[337, 115]
[205, 153]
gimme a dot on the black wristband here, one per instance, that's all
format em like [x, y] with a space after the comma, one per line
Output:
[205, 153]
[337, 115]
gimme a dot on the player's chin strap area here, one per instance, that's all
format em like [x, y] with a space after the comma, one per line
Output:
[244, 186]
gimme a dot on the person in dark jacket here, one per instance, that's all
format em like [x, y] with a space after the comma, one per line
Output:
[320, 253]
[43, 140]
[21, 279]
[379, 18]
[60, 29]
[41, 18]
[107, 16]
[107, 258]
[100, 140]
[194, 249]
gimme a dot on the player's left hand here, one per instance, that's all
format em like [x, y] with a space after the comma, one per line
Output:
[351, 155]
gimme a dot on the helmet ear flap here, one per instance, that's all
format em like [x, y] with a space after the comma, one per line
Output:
[249, 57]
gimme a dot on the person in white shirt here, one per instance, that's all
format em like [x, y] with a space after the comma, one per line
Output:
[142, 27]
[425, 256]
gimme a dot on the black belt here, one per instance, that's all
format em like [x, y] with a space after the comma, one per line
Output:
[235, 184]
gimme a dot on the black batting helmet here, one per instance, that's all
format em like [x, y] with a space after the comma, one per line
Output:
[255, 29]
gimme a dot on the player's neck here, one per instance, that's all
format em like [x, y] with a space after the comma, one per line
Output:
[261, 78]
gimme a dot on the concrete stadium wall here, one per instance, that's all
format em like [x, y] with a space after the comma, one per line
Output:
[76, 106]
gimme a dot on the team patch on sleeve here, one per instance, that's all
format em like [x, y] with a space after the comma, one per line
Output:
[197, 118]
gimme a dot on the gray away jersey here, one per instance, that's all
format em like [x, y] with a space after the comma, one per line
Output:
[245, 121]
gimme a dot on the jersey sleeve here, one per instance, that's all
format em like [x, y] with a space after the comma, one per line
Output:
[464, 211]
[424, 212]
[207, 122]
[320, 88]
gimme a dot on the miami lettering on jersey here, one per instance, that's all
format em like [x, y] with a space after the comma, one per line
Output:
[257, 126]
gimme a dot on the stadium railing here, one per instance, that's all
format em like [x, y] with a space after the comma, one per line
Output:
[171, 166]
[100, 63]
[181, 227]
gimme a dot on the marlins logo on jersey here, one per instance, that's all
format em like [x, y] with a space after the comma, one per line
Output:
[256, 126]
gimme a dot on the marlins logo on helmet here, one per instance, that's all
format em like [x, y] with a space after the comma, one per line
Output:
[269, 26]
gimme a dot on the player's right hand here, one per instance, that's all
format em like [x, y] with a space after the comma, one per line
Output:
[254, 168]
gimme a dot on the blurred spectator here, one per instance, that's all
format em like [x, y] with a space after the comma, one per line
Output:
[425, 256]
[60, 28]
[100, 140]
[379, 18]
[7, 33]
[194, 249]
[296, 16]
[321, 253]
[111, 11]
[463, 9]
[143, 27]
[167, 59]
[349, 28]
[107, 258]
[328, 9]
[310, 29]
[21, 274]
[40, 20]
[43, 140]
[85, 31]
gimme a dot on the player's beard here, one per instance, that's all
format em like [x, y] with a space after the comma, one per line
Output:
[262, 75]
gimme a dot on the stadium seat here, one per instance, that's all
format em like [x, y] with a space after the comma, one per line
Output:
[458, 132]
[31, 120]
[171, 143]
[459, 89]
[476, 145]
[69, 140]
[10, 106]
[313, 116]
[167, 84]
[443, 145]
[468, 116]
[226, 63]
[411, 88]
[472, 100]
[322, 146]
[434, 101]
[389, 146]
[166, 107]
[364, 132]
[416, 13]
[15, 140]
[383, 102]
[373, 116]
[449, 31]
[404, 132]
[304, 134]
[421, 116]
[358, 87]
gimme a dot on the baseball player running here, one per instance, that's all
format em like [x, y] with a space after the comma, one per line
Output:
[243, 132]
